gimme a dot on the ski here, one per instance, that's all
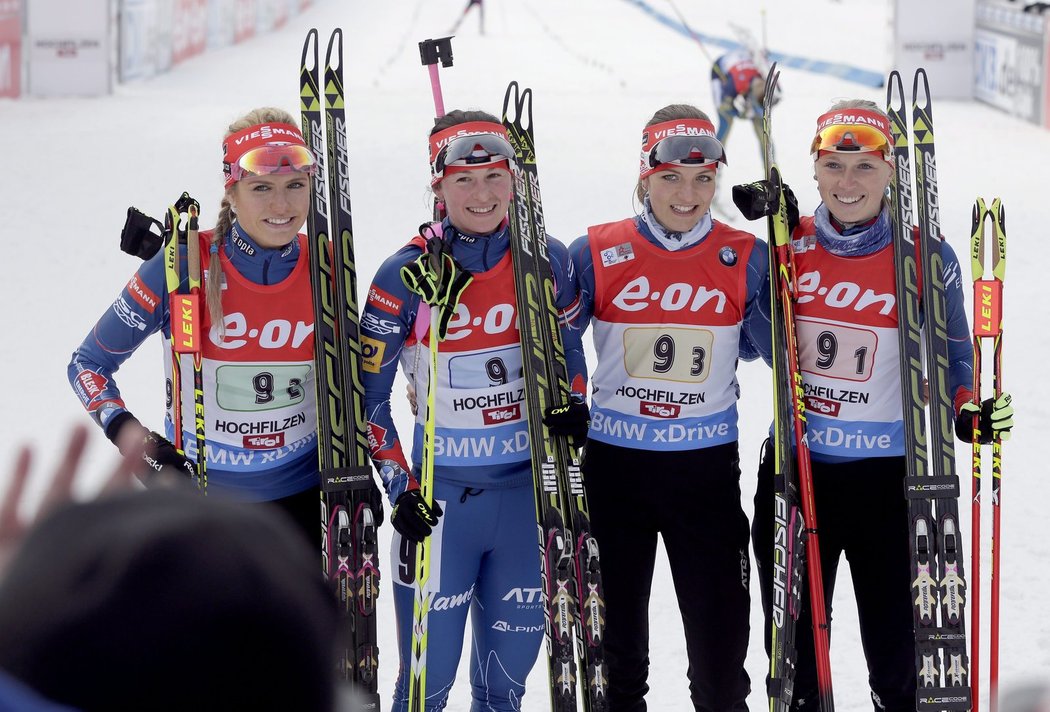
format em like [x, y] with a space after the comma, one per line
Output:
[574, 603]
[931, 483]
[987, 324]
[794, 515]
[349, 545]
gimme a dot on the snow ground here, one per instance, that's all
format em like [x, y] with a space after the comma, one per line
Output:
[598, 69]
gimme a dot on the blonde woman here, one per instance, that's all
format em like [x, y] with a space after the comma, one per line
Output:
[258, 351]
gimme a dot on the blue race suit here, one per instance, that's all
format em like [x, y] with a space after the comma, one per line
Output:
[262, 460]
[484, 555]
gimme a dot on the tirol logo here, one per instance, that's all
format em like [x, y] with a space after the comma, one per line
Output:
[264, 442]
[507, 414]
[822, 406]
[659, 410]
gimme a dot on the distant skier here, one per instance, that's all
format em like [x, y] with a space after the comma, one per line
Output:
[738, 87]
[480, 4]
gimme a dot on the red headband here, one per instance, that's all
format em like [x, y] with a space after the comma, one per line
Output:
[853, 117]
[656, 133]
[441, 140]
[236, 145]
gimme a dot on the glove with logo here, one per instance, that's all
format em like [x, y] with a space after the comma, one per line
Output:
[412, 517]
[758, 200]
[162, 464]
[572, 419]
[995, 418]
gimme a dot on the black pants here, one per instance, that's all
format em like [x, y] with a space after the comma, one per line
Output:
[304, 508]
[862, 512]
[692, 500]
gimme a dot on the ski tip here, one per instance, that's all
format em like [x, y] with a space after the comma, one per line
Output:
[922, 81]
[335, 50]
[308, 53]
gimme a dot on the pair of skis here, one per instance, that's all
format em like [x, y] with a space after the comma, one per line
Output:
[573, 597]
[796, 545]
[348, 523]
[931, 483]
[987, 324]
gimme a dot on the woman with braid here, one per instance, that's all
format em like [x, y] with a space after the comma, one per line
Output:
[258, 342]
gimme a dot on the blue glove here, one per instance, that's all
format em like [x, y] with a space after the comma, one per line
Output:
[995, 418]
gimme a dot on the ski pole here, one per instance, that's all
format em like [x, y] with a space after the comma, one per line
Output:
[681, 18]
[431, 52]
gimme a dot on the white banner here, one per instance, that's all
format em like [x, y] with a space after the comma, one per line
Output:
[936, 35]
[69, 47]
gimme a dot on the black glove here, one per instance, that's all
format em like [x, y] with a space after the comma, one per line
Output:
[572, 419]
[758, 200]
[996, 418]
[159, 456]
[141, 235]
[412, 517]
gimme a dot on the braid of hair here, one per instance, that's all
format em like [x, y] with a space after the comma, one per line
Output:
[213, 293]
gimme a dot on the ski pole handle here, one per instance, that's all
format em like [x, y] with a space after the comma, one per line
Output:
[430, 53]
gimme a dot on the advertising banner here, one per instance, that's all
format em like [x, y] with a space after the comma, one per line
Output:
[243, 20]
[1011, 61]
[936, 35]
[69, 48]
[189, 29]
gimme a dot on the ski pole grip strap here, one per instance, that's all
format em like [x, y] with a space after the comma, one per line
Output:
[341, 479]
[931, 487]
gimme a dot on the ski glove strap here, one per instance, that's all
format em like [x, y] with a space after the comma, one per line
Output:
[758, 200]
[439, 281]
[995, 419]
[412, 517]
